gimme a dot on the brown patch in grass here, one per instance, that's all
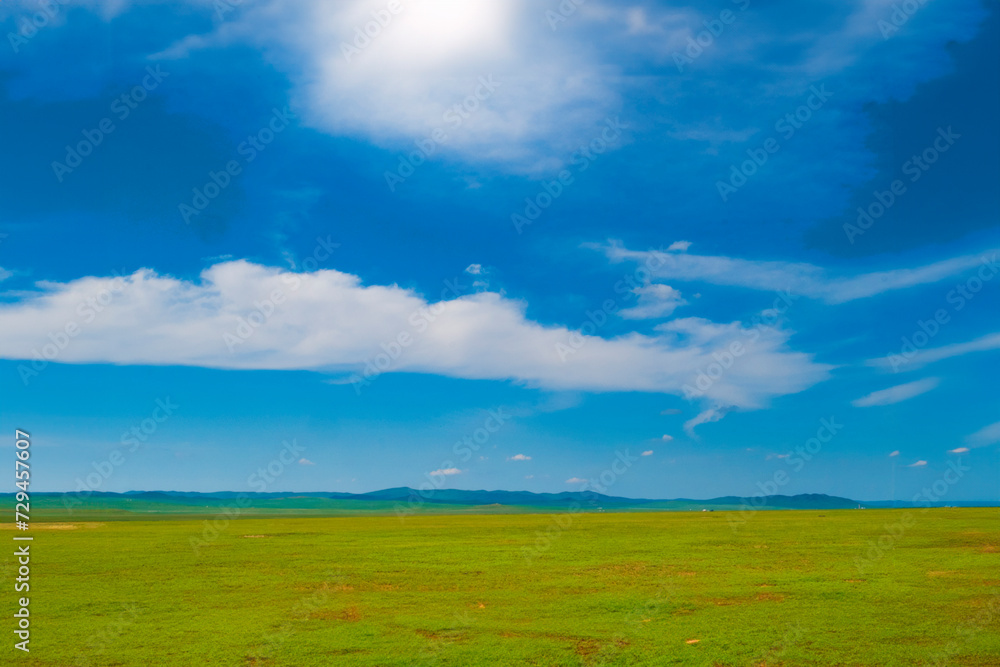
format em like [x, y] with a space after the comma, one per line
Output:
[854, 581]
[351, 615]
[692, 641]
[770, 596]
[588, 647]
[722, 602]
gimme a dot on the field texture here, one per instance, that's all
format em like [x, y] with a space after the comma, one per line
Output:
[872, 587]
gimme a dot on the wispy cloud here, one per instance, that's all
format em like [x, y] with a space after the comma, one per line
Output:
[958, 450]
[897, 394]
[648, 452]
[921, 358]
[894, 454]
[519, 457]
[984, 436]
[917, 464]
[575, 480]
[705, 417]
[797, 278]
[306, 462]
[654, 301]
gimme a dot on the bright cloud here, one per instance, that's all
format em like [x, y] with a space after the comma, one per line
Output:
[667, 438]
[241, 315]
[575, 480]
[648, 452]
[519, 457]
[896, 394]
[918, 464]
[895, 453]
[306, 462]
[489, 74]
[958, 450]
[445, 472]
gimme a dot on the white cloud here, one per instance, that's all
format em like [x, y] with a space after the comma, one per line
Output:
[794, 277]
[923, 357]
[529, 476]
[984, 436]
[648, 452]
[895, 453]
[329, 321]
[705, 417]
[958, 450]
[445, 471]
[897, 394]
[4, 274]
[654, 301]
[474, 269]
[918, 464]
[681, 246]
[549, 87]
[519, 457]
[575, 480]
[306, 462]
[667, 438]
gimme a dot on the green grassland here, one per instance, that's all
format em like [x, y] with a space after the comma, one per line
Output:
[652, 588]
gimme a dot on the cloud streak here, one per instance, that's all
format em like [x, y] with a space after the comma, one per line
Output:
[796, 278]
[897, 394]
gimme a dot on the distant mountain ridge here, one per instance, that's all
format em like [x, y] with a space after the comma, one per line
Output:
[444, 498]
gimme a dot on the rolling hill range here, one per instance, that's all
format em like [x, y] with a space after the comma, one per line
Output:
[405, 500]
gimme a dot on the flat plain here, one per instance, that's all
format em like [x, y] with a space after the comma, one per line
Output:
[817, 588]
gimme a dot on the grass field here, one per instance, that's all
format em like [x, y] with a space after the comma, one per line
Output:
[680, 588]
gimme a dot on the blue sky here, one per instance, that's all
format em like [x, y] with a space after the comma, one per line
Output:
[703, 232]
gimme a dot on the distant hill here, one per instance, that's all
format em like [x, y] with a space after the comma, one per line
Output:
[405, 500]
